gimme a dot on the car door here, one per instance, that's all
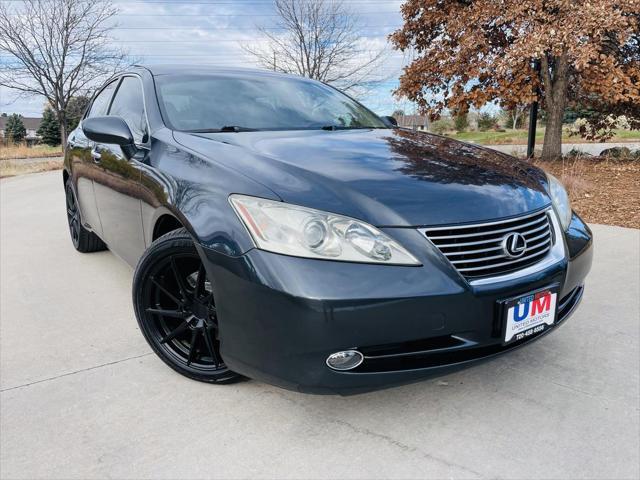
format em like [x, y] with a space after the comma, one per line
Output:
[117, 187]
[83, 165]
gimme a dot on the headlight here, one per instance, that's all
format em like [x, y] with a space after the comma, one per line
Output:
[304, 232]
[560, 201]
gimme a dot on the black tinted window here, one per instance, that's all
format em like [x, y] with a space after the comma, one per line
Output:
[209, 101]
[100, 104]
[129, 105]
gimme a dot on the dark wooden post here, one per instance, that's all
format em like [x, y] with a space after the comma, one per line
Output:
[533, 116]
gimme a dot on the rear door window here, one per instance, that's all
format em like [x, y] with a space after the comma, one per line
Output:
[100, 104]
[129, 104]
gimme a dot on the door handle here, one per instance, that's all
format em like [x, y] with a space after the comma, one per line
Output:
[96, 155]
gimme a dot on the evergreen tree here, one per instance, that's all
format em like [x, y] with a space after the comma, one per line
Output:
[49, 129]
[461, 122]
[75, 110]
[14, 130]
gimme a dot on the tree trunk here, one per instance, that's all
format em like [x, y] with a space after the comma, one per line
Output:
[62, 119]
[555, 83]
[552, 147]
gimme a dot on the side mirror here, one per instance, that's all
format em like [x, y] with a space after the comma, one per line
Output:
[110, 130]
[391, 121]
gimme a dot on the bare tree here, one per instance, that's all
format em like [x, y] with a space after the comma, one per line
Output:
[318, 39]
[514, 113]
[57, 49]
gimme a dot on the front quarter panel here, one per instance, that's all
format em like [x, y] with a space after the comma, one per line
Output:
[81, 168]
[195, 190]
[579, 240]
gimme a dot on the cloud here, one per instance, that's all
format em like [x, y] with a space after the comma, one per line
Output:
[212, 33]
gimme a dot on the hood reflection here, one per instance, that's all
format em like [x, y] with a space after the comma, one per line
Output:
[443, 160]
[384, 177]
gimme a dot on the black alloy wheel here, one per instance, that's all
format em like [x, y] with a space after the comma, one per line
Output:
[83, 240]
[176, 309]
[73, 215]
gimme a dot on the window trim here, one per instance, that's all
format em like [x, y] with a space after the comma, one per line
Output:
[112, 80]
[144, 105]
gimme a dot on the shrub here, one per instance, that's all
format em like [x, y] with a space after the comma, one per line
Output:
[616, 152]
[576, 153]
[575, 128]
[486, 121]
[441, 126]
[461, 123]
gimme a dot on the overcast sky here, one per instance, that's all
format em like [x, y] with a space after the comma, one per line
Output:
[212, 31]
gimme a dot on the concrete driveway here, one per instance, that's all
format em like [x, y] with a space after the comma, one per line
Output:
[83, 397]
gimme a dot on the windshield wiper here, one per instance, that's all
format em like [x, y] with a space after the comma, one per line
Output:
[342, 127]
[236, 128]
[226, 128]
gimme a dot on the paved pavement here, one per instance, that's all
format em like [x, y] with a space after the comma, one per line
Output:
[83, 397]
[590, 148]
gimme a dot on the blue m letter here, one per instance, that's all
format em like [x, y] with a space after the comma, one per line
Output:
[518, 316]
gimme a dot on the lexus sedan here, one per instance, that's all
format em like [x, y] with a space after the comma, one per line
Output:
[283, 232]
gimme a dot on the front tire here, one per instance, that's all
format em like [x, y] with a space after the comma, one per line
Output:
[83, 240]
[175, 308]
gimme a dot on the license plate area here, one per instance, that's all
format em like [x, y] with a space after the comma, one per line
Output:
[529, 314]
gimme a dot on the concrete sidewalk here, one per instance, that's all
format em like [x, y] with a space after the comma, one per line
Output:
[83, 397]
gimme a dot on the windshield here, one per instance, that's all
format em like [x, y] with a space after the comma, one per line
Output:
[262, 102]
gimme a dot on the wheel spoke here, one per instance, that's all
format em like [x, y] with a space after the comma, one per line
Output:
[70, 199]
[167, 313]
[194, 347]
[165, 291]
[211, 346]
[175, 332]
[73, 225]
[192, 337]
[179, 279]
[202, 276]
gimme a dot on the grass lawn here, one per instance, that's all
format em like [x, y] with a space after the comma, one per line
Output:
[11, 168]
[20, 159]
[519, 137]
[22, 151]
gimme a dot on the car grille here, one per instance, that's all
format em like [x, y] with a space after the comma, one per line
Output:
[477, 250]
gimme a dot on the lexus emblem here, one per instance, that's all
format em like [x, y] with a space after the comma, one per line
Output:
[514, 245]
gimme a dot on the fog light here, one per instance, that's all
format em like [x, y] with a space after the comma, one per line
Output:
[347, 360]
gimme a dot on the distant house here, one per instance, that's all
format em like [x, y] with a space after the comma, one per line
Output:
[415, 122]
[31, 124]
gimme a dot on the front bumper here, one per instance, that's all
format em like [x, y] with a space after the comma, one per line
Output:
[280, 317]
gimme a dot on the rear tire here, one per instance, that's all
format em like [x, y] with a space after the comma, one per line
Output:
[83, 240]
[175, 308]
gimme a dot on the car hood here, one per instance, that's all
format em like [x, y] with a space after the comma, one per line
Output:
[391, 177]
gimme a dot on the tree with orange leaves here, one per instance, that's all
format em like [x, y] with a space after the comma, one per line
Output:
[470, 52]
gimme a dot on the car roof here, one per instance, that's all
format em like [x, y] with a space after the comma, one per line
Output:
[194, 69]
